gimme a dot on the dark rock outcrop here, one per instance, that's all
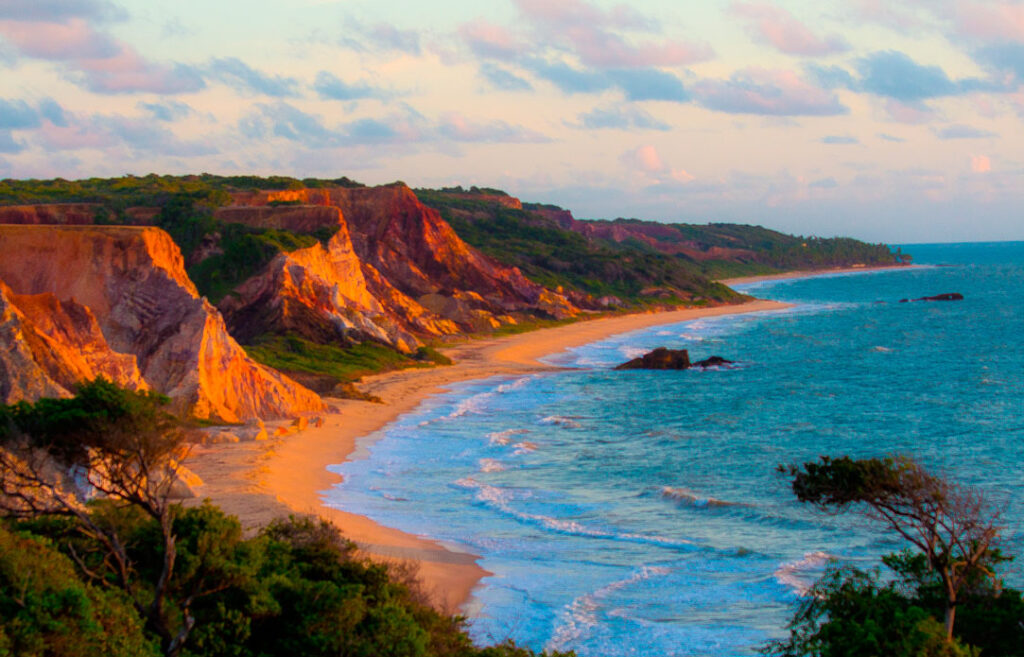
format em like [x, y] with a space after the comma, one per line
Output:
[714, 361]
[948, 296]
[661, 358]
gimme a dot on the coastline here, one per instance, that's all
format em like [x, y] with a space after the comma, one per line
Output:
[807, 273]
[264, 480]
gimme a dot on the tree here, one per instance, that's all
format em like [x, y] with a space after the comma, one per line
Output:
[111, 443]
[952, 526]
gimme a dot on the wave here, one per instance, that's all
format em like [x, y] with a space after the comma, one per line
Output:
[491, 465]
[515, 385]
[567, 421]
[692, 498]
[525, 447]
[883, 350]
[800, 575]
[500, 499]
[580, 616]
[505, 437]
[469, 405]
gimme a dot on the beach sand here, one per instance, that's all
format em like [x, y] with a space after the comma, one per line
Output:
[263, 480]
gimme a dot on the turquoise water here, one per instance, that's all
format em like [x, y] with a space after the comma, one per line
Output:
[639, 513]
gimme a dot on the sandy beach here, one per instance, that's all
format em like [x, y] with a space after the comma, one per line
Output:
[262, 480]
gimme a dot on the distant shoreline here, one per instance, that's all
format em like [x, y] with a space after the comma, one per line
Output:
[261, 481]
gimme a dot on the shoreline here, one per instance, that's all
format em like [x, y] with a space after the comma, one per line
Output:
[808, 273]
[264, 480]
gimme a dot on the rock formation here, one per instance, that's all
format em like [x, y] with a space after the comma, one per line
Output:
[948, 296]
[661, 358]
[133, 282]
[393, 270]
[713, 361]
[50, 213]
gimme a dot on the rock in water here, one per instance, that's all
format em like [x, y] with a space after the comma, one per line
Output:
[948, 296]
[661, 358]
[714, 361]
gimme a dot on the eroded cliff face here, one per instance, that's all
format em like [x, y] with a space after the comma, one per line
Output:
[133, 282]
[394, 270]
[76, 214]
[319, 293]
[419, 253]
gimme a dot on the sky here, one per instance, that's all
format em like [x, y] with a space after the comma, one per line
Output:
[887, 120]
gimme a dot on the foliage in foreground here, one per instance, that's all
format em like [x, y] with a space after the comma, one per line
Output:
[941, 599]
[133, 574]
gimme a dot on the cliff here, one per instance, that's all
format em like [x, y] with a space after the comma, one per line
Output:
[393, 270]
[132, 281]
[77, 214]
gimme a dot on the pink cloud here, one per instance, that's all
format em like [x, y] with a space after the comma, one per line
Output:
[594, 35]
[990, 20]
[75, 39]
[767, 92]
[782, 30]
[489, 40]
[980, 164]
[911, 114]
[94, 59]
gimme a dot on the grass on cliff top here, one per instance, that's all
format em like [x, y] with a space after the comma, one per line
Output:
[292, 354]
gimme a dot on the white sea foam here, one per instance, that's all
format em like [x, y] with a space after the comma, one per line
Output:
[632, 352]
[883, 350]
[500, 499]
[491, 465]
[801, 575]
[515, 385]
[692, 498]
[505, 437]
[567, 421]
[525, 447]
[580, 616]
[469, 405]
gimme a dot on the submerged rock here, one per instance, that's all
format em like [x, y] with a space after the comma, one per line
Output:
[714, 361]
[661, 358]
[948, 296]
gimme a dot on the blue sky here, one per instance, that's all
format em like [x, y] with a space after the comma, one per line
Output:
[894, 121]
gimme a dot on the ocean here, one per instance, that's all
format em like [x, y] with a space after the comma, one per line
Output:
[641, 513]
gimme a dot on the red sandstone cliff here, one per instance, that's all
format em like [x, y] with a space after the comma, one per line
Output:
[76, 214]
[133, 282]
[393, 270]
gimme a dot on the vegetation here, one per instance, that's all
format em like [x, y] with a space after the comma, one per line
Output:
[323, 367]
[648, 262]
[950, 574]
[133, 574]
[553, 256]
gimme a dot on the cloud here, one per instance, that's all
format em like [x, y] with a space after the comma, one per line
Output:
[981, 164]
[1006, 58]
[767, 92]
[503, 79]
[17, 114]
[284, 120]
[959, 131]
[59, 10]
[492, 41]
[893, 74]
[329, 86]
[839, 140]
[8, 144]
[569, 79]
[168, 110]
[782, 30]
[892, 138]
[824, 183]
[457, 127]
[990, 20]
[240, 76]
[596, 37]
[644, 158]
[392, 38]
[649, 84]
[648, 163]
[111, 131]
[620, 118]
[90, 58]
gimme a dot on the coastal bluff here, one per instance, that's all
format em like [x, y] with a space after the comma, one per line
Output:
[82, 301]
